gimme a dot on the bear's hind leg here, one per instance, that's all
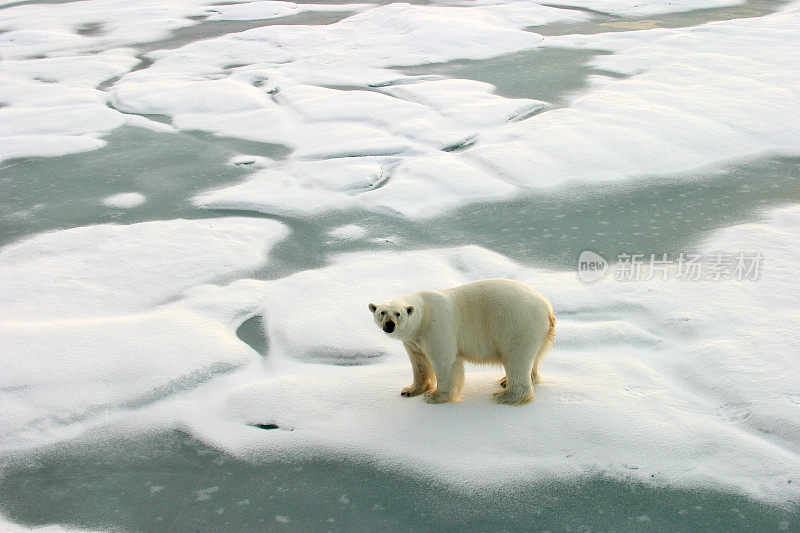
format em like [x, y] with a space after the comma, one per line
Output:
[518, 388]
[536, 377]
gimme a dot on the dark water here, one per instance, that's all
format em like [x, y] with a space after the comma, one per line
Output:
[46, 193]
[551, 228]
[548, 228]
[548, 74]
[171, 482]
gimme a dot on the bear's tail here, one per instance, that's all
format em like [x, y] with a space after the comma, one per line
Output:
[549, 339]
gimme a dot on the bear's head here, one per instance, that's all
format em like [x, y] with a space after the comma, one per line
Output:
[394, 317]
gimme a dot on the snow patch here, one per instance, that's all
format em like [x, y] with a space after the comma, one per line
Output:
[351, 232]
[52, 105]
[108, 269]
[300, 187]
[417, 187]
[62, 372]
[469, 102]
[125, 200]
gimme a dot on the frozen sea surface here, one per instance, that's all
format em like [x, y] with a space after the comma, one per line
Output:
[198, 200]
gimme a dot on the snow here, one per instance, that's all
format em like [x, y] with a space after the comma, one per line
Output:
[89, 308]
[399, 117]
[424, 186]
[74, 71]
[47, 145]
[308, 186]
[125, 200]
[467, 101]
[11, 527]
[415, 187]
[52, 105]
[96, 270]
[63, 371]
[61, 28]
[144, 122]
[314, 140]
[350, 232]
[188, 96]
[69, 120]
[743, 76]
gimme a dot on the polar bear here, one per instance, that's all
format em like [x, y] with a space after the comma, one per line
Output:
[494, 321]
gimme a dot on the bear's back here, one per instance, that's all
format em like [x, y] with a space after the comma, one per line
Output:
[492, 313]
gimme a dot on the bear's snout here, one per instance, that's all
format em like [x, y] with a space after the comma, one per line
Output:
[388, 327]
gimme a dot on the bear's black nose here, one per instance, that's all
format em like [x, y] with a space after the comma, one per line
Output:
[388, 327]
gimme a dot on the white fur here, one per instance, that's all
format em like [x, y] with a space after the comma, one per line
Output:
[494, 321]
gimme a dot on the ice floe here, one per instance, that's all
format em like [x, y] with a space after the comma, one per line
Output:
[97, 270]
[432, 184]
[188, 96]
[307, 187]
[125, 200]
[265, 84]
[399, 117]
[469, 102]
[413, 186]
[84, 26]
[351, 232]
[73, 71]
[47, 145]
[694, 97]
[52, 106]
[10, 527]
[65, 371]
[665, 381]
[643, 124]
[87, 325]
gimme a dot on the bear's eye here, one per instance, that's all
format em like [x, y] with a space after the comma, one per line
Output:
[383, 313]
[397, 315]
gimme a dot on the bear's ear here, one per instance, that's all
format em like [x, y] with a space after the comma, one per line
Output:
[372, 308]
[410, 309]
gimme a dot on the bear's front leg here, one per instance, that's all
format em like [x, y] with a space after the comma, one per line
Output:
[450, 381]
[415, 389]
[424, 377]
